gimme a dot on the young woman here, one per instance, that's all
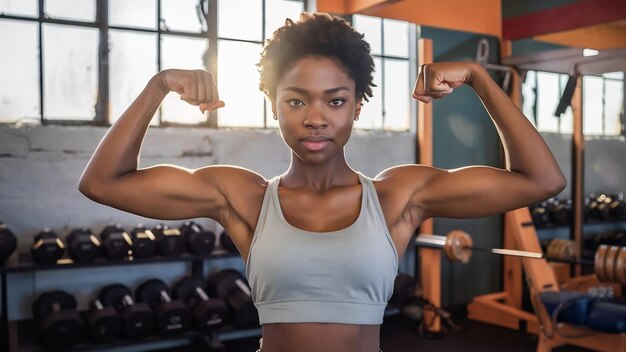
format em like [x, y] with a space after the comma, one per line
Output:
[321, 242]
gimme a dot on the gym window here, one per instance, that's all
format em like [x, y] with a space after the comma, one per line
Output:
[61, 84]
[603, 103]
[389, 41]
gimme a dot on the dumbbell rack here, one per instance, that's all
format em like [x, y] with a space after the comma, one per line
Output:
[22, 335]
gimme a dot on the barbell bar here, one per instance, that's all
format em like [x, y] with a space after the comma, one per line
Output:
[609, 261]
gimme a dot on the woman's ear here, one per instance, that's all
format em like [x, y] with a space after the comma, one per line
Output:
[357, 110]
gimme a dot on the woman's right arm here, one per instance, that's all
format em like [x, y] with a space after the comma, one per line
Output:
[164, 192]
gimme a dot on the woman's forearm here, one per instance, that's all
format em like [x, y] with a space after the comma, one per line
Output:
[526, 151]
[118, 152]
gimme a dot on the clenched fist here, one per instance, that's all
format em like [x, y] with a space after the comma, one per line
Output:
[196, 87]
[437, 80]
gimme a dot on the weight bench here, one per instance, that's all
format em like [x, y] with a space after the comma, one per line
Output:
[581, 320]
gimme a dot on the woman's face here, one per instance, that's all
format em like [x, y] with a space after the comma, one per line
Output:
[316, 105]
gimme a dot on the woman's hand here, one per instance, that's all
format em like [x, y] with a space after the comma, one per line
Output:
[196, 87]
[437, 80]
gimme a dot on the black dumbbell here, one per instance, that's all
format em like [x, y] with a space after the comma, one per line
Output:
[137, 318]
[209, 313]
[199, 241]
[47, 247]
[60, 324]
[172, 316]
[83, 246]
[144, 244]
[227, 243]
[231, 285]
[560, 211]
[618, 207]
[170, 242]
[104, 323]
[116, 242]
[8, 242]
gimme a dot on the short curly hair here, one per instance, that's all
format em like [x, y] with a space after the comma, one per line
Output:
[316, 34]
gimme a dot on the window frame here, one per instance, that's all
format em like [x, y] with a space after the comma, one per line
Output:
[102, 112]
[535, 118]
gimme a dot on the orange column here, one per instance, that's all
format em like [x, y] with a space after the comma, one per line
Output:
[430, 259]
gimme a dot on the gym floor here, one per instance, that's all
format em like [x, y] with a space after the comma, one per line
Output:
[399, 335]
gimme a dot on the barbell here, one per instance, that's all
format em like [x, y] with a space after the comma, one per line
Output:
[609, 261]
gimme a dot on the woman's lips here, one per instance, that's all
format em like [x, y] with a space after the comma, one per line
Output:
[315, 146]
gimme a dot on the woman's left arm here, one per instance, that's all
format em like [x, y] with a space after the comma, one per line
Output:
[532, 173]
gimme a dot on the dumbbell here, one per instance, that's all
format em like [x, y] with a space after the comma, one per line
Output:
[209, 313]
[539, 214]
[170, 242]
[104, 323]
[199, 241]
[227, 243]
[60, 324]
[47, 247]
[8, 242]
[83, 245]
[617, 207]
[172, 316]
[144, 242]
[116, 242]
[230, 285]
[137, 318]
[560, 211]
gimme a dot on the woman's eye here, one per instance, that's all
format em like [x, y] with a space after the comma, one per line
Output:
[337, 102]
[295, 102]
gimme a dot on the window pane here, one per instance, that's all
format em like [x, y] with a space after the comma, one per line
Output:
[133, 61]
[547, 100]
[81, 10]
[240, 19]
[619, 75]
[70, 56]
[614, 106]
[19, 7]
[238, 81]
[136, 13]
[20, 99]
[185, 53]
[528, 96]
[276, 11]
[592, 105]
[370, 27]
[397, 95]
[372, 111]
[180, 15]
[396, 34]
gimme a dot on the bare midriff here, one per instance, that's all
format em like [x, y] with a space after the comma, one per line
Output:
[320, 337]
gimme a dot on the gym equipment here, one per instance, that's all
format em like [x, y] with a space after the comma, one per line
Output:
[231, 285]
[209, 313]
[617, 208]
[47, 247]
[60, 324]
[137, 318]
[144, 242]
[104, 323]
[170, 243]
[116, 242]
[8, 242]
[173, 317]
[560, 211]
[83, 246]
[540, 215]
[199, 241]
[227, 243]
[609, 262]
